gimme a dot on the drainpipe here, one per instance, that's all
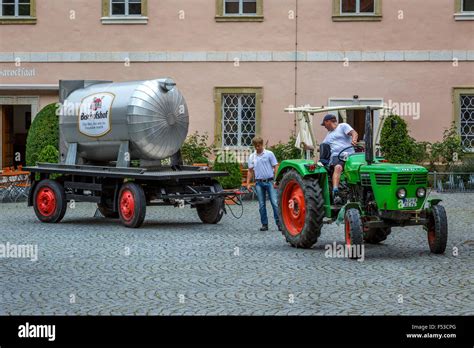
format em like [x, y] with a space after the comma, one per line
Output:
[296, 61]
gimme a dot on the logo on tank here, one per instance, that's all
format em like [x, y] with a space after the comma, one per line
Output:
[95, 114]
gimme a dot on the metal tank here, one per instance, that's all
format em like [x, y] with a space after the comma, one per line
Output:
[102, 121]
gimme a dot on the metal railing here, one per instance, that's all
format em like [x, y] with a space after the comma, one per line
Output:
[451, 181]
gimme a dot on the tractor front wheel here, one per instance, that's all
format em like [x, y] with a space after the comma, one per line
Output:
[437, 228]
[301, 209]
[354, 230]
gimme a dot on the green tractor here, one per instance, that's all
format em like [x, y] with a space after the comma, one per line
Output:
[376, 195]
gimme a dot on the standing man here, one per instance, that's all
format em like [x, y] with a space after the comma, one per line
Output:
[262, 165]
[340, 136]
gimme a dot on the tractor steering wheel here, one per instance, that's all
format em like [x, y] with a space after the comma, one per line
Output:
[344, 158]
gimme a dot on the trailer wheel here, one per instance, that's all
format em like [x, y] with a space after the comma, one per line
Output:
[132, 205]
[376, 235]
[437, 229]
[212, 212]
[49, 201]
[354, 231]
[301, 209]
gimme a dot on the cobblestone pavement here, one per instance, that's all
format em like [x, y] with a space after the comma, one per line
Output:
[174, 265]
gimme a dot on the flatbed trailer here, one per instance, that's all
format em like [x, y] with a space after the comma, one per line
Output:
[124, 192]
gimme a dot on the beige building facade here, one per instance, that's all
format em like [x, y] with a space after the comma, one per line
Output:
[239, 63]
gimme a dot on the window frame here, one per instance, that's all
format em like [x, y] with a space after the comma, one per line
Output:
[108, 18]
[339, 16]
[218, 126]
[357, 12]
[221, 16]
[457, 93]
[19, 19]
[127, 4]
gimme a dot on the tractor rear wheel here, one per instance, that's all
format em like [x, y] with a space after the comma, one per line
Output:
[437, 229]
[301, 209]
[377, 235]
[212, 212]
[354, 230]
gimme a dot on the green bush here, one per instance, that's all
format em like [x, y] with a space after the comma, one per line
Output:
[449, 150]
[234, 180]
[195, 149]
[43, 131]
[49, 155]
[397, 145]
[284, 151]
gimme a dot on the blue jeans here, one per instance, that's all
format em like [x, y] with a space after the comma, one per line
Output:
[262, 189]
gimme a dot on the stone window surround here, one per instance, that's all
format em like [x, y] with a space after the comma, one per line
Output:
[31, 19]
[459, 14]
[107, 17]
[457, 92]
[218, 92]
[221, 17]
[337, 16]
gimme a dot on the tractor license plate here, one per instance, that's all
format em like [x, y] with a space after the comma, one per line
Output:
[407, 202]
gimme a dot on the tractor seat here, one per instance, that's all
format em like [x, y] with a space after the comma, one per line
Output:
[324, 154]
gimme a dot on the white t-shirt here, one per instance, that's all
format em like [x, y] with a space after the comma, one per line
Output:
[339, 139]
[262, 164]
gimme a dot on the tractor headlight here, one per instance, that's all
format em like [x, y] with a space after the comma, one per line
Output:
[420, 192]
[401, 193]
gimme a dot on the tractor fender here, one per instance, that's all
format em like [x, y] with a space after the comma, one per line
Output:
[434, 201]
[342, 212]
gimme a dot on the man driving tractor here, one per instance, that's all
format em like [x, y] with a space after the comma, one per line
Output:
[340, 136]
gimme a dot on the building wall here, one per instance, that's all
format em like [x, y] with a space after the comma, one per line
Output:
[402, 60]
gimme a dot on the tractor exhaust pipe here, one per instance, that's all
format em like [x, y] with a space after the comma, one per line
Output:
[368, 137]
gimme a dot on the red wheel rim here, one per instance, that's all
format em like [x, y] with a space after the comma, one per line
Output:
[46, 201]
[293, 208]
[431, 234]
[348, 232]
[127, 205]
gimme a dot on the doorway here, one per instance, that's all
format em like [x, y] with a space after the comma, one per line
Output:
[16, 121]
[356, 118]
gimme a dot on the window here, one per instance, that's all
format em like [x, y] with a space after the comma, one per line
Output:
[464, 116]
[238, 113]
[357, 10]
[240, 7]
[17, 11]
[357, 6]
[467, 5]
[239, 10]
[464, 10]
[125, 7]
[124, 11]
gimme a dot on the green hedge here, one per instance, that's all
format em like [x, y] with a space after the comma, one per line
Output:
[234, 180]
[49, 155]
[43, 131]
[396, 144]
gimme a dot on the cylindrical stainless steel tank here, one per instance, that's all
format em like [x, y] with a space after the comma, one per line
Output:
[151, 115]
